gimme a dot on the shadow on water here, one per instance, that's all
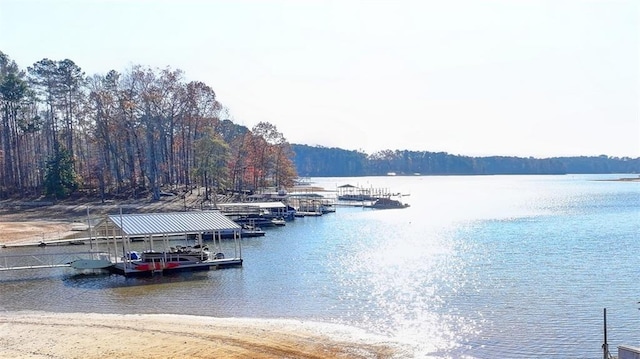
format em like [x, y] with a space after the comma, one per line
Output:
[104, 280]
[24, 280]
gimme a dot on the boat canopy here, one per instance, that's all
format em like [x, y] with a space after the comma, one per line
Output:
[142, 224]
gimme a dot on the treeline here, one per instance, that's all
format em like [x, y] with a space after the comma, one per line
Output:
[315, 161]
[125, 134]
[140, 131]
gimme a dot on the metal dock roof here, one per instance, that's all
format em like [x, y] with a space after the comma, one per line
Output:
[172, 223]
[262, 205]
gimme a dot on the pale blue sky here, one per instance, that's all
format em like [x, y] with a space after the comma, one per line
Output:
[471, 77]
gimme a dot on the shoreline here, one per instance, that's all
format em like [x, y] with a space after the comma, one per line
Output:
[33, 232]
[28, 334]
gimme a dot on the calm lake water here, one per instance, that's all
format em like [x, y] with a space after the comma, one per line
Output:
[477, 267]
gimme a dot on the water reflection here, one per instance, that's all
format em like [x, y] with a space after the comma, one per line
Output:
[396, 281]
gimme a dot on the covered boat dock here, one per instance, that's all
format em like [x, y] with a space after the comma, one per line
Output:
[257, 213]
[165, 230]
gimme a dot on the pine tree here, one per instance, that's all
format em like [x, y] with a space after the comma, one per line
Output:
[60, 179]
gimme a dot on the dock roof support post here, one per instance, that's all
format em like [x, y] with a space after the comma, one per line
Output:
[605, 345]
[239, 244]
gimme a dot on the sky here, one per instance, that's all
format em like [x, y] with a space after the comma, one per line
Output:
[470, 77]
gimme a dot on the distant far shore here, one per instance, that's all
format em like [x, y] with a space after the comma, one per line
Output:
[634, 179]
[626, 179]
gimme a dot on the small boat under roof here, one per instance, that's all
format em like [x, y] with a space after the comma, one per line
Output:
[176, 259]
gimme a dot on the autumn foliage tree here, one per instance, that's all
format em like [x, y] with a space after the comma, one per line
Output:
[211, 160]
[270, 157]
[128, 133]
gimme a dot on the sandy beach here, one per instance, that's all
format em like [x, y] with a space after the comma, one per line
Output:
[80, 335]
[13, 232]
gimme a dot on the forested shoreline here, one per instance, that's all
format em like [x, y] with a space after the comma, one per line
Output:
[126, 134]
[317, 161]
[141, 131]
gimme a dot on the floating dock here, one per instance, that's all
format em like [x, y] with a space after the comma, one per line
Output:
[127, 270]
[44, 260]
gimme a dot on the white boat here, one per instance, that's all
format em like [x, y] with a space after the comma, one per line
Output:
[96, 260]
[91, 264]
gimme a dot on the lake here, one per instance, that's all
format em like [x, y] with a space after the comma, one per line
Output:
[476, 267]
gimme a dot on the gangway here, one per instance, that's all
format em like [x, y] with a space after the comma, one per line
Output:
[43, 260]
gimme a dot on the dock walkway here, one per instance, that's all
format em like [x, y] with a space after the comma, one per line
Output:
[42, 260]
